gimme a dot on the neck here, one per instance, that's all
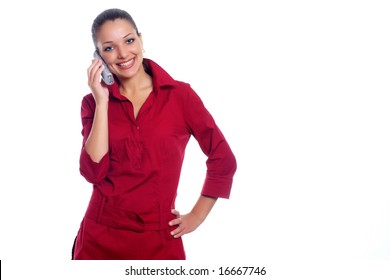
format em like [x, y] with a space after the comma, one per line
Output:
[135, 84]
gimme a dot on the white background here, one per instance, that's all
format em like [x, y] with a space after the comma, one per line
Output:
[299, 88]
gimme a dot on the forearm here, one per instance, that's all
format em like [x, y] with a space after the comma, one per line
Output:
[189, 222]
[97, 142]
[203, 206]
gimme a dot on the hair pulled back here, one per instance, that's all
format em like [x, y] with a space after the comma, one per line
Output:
[110, 14]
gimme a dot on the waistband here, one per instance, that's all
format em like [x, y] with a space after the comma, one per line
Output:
[103, 213]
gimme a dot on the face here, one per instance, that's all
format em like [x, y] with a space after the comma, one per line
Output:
[121, 48]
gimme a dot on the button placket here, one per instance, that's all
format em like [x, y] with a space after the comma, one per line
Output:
[136, 147]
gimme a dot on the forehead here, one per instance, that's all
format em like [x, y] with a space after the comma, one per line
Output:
[113, 30]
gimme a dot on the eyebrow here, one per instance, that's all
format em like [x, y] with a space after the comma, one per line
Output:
[109, 42]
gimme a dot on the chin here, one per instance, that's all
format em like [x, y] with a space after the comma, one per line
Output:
[128, 73]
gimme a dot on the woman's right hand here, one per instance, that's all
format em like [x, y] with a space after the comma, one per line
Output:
[96, 84]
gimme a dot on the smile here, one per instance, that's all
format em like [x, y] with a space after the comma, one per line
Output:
[126, 64]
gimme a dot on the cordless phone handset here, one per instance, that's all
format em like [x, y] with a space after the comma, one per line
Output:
[107, 76]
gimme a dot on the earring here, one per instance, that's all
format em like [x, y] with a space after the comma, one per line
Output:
[143, 50]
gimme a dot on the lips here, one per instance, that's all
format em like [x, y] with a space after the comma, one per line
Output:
[127, 64]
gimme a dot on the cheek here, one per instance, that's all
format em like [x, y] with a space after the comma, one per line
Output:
[109, 57]
[136, 48]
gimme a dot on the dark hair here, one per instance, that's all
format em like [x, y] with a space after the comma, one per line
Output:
[110, 14]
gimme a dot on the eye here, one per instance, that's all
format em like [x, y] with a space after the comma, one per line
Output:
[107, 49]
[129, 41]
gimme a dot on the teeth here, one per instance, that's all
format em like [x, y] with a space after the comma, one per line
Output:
[126, 63]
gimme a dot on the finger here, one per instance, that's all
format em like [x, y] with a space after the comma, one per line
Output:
[175, 222]
[94, 72]
[93, 65]
[176, 232]
[179, 232]
[175, 212]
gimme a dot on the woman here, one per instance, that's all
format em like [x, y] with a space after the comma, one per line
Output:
[135, 133]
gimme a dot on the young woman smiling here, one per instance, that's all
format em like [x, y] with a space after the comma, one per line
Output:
[134, 137]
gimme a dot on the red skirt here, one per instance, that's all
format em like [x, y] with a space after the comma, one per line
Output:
[109, 233]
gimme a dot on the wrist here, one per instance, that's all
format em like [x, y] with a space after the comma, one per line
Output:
[101, 105]
[198, 216]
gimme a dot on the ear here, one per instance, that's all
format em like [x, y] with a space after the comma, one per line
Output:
[142, 41]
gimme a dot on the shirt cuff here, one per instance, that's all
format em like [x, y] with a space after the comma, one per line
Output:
[217, 187]
[93, 172]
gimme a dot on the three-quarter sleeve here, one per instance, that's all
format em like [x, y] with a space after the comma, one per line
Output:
[93, 172]
[221, 162]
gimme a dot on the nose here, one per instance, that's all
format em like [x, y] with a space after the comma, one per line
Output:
[121, 52]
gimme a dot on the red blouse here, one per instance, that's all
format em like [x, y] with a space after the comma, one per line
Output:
[142, 167]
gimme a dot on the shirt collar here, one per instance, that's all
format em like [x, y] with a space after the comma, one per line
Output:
[160, 78]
